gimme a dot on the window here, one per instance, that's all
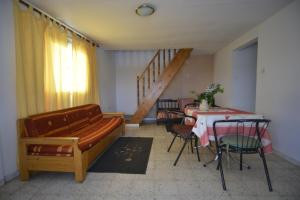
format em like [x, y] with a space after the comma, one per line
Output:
[70, 69]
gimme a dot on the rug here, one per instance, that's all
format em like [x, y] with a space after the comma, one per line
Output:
[128, 155]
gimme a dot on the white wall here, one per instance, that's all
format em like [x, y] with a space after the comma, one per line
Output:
[8, 116]
[244, 78]
[107, 80]
[278, 70]
[195, 75]
[129, 64]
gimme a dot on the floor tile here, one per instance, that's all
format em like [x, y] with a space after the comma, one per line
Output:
[188, 180]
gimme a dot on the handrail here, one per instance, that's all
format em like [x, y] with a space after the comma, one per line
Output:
[146, 79]
[149, 64]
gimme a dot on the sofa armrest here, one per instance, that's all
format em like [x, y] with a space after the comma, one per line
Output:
[113, 114]
[50, 140]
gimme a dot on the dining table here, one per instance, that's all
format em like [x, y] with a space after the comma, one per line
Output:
[203, 127]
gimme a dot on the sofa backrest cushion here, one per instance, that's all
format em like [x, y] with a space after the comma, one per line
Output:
[77, 119]
[52, 124]
[94, 113]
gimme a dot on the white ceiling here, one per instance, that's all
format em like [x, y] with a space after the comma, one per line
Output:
[206, 25]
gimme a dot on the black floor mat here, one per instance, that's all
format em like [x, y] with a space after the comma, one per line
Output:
[127, 155]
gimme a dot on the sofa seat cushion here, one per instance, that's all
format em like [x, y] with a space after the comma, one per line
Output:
[88, 137]
[50, 150]
[92, 134]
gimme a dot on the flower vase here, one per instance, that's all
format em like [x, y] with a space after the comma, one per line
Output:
[203, 105]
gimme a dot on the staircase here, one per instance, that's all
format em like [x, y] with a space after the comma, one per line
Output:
[156, 78]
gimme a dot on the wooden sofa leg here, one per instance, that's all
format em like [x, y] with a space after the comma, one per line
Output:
[79, 175]
[24, 172]
[79, 168]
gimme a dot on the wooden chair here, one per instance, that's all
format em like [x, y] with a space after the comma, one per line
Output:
[182, 131]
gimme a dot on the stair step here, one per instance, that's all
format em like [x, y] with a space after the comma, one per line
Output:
[160, 85]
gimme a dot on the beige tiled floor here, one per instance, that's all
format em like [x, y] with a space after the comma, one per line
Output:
[188, 180]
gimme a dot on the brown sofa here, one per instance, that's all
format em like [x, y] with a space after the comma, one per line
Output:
[66, 140]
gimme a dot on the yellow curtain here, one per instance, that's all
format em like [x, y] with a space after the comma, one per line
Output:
[54, 69]
[93, 91]
[29, 34]
[56, 66]
[85, 86]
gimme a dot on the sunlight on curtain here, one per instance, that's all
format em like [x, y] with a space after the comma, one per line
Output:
[55, 69]
[56, 63]
[84, 88]
[70, 75]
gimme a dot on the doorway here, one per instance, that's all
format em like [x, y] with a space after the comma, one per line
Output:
[244, 77]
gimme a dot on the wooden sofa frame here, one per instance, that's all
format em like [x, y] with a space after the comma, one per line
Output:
[78, 163]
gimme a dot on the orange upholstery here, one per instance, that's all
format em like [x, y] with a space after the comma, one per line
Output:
[90, 136]
[94, 113]
[85, 122]
[77, 119]
[50, 150]
[51, 124]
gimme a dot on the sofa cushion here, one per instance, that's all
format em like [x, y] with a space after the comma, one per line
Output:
[94, 113]
[92, 134]
[88, 137]
[77, 119]
[50, 150]
[52, 124]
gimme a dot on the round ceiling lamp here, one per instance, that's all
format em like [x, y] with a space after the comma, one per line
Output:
[145, 10]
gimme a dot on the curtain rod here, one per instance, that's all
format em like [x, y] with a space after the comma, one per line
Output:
[64, 25]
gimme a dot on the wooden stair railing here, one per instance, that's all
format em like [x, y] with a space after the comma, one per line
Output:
[148, 93]
[152, 72]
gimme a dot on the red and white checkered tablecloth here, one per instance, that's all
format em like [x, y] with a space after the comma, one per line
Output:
[203, 127]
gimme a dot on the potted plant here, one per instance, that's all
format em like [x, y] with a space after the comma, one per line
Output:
[207, 97]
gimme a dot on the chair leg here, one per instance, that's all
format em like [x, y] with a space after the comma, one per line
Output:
[266, 170]
[192, 146]
[197, 150]
[185, 142]
[175, 135]
[241, 161]
[221, 170]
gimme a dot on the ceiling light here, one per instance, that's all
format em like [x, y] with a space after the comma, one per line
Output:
[145, 10]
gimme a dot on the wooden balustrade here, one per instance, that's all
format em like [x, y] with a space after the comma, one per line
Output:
[138, 89]
[162, 81]
[156, 66]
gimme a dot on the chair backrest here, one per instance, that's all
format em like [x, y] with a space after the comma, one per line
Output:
[195, 104]
[182, 102]
[167, 104]
[170, 122]
[242, 134]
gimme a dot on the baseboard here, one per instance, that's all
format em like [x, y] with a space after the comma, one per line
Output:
[132, 125]
[286, 157]
[149, 119]
[9, 177]
[1, 182]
